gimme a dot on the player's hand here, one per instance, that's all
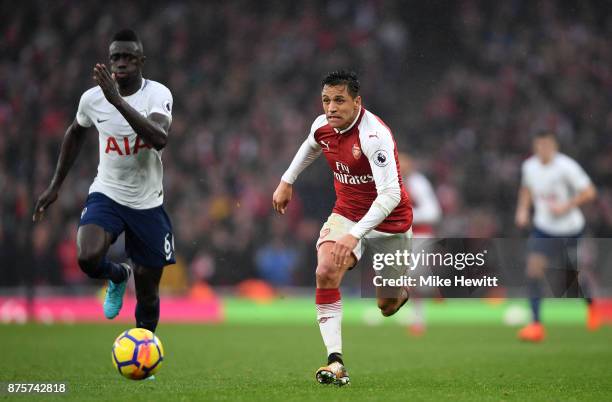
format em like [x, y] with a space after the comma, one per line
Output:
[107, 83]
[560, 209]
[281, 197]
[47, 198]
[522, 218]
[343, 249]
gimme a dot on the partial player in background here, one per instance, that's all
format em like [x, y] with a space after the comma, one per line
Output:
[132, 116]
[426, 214]
[372, 206]
[556, 186]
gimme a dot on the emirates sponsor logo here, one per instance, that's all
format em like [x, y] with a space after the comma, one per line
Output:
[352, 179]
[356, 151]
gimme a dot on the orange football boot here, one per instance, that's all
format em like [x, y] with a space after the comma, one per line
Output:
[533, 332]
[416, 329]
[593, 318]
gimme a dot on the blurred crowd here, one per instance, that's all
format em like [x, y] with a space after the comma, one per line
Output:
[463, 86]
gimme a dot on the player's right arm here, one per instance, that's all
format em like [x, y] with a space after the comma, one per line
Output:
[525, 199]
[71, 146]
[308, 152]
[523, 207]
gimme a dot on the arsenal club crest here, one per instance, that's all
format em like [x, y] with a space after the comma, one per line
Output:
[356, 151]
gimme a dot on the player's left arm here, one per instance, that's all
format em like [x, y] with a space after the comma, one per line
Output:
[152, 129]
[380, 151]
[584, 196]
[582, 186]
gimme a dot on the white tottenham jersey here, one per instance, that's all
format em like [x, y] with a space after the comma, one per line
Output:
[555, 183]
[130, 172]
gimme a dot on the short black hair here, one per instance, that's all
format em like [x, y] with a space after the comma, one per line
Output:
[343, 77]
[545, 134]
[126, 35]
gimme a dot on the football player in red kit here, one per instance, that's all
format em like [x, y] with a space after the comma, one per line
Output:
[372, 208]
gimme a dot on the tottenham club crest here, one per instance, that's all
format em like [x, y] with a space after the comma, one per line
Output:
[356, 151]
[381, 158]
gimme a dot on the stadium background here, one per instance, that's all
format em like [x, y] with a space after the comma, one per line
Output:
[463, 85]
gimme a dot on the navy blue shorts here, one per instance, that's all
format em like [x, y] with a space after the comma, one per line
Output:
[148, 232]
[562, 251]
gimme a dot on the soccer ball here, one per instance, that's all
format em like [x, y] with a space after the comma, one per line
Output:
[137, 353]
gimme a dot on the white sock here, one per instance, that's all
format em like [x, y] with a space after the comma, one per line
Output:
[329, 316]
[419, 312]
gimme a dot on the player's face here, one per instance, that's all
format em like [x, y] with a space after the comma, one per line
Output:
[545, 148]
[126, 61]
[340, 108]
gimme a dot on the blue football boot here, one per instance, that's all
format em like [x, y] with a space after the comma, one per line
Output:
[113, 301]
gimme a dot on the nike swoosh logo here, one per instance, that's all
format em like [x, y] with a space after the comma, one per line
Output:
[102, 121]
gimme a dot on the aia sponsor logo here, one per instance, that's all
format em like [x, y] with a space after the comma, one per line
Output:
[356, 151]
[122, 147]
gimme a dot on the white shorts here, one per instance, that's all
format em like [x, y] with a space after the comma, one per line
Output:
[337, 226]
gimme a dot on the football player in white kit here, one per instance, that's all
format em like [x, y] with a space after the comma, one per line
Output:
[556, 185]
[426, 214]
[132, 116]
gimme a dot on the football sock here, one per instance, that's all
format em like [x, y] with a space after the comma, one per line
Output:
[335, 357]
[147, 315]
[115, 272]
[535, 295]
[419, 312]
[329, 316]
[109, 270]
[585, 288]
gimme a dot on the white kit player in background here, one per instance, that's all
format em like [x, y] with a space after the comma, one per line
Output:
[556, 186]
[426, 214]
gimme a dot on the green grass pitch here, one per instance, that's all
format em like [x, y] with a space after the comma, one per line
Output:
[276, 362]
[270, 353]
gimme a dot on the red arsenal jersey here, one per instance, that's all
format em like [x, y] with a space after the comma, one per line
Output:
[364, 161]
